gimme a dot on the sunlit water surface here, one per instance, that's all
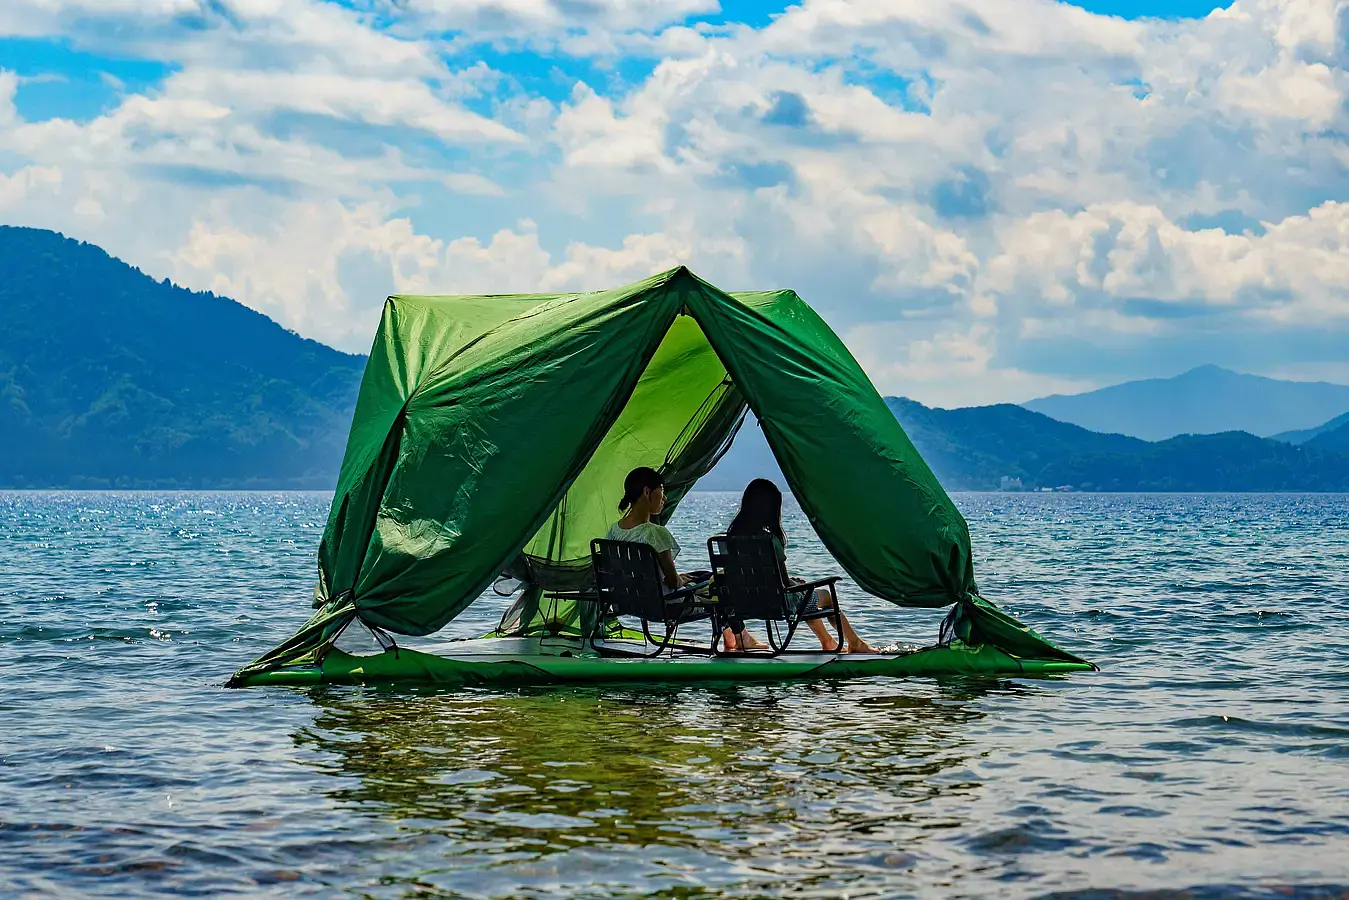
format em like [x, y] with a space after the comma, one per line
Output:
[1211, 753]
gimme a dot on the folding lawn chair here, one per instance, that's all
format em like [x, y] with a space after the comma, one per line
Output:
[747, 581]
[628, 582]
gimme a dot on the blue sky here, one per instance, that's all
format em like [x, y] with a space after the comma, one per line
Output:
[65, 81]
[989, 199]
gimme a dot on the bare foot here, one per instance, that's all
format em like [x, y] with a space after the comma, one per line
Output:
[828, 646]
[861, 647]
[750, 643]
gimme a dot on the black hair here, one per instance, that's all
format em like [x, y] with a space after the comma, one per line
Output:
[639, 479]
[760, 511]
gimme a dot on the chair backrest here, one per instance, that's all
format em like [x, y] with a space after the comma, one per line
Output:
[628, 579]
[747, 576]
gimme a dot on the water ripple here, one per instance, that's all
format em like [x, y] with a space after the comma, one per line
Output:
[1206, 759]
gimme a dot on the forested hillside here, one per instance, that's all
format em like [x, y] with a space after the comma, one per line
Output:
[110, 378]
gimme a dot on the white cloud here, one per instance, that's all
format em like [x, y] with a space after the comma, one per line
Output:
[593, 268]
[971, 193]
[593, 134]
[373, 101]
[1310, 92]
[9, 84]
[590, 27]
[241, 34]
[298, 268]
[1296, 271]
[943, 365]
[985, 33]
[18, 190]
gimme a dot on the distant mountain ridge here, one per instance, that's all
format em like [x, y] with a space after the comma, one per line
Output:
[1334, 440]
[1206, 400]
[1306, 434]
[1004, 446]
[975, 447]
[109, 378]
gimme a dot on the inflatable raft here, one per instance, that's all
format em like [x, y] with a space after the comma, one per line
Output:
[512, 662]
[492, 435]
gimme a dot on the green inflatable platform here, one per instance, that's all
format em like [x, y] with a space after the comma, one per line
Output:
[511, 662]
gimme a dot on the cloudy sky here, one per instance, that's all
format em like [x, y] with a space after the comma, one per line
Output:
[989, 199]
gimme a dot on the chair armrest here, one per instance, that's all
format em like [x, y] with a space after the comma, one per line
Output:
[590, 596]
[687, 590]
[812, 585]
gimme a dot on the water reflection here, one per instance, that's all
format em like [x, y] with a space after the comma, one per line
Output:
[727, 788]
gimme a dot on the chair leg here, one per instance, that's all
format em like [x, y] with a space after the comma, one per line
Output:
[671, 635]
[671, 632]
[650, 639]
[776, 648]
[791, 633]
[838, 620]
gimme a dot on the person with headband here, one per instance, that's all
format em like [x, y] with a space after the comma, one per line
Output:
[643, 500]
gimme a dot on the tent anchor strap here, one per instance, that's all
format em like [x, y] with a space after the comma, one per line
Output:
[385, 640]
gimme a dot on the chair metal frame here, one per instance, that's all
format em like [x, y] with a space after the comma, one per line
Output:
[629, 582]
[748, 583]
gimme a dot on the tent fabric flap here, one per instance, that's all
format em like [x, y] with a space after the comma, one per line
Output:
[870, 496]
[977, 622]
[681, 404]
[495, 425]
[415, 335]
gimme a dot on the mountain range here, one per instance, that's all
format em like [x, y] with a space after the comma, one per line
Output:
[1206, 400]
[109, 378]
[997, 447]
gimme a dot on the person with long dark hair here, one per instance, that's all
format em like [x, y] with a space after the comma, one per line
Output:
[761, 513]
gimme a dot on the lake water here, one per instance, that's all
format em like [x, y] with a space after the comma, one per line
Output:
[1210, 754]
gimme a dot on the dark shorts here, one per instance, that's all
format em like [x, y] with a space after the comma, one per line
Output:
[812, 606]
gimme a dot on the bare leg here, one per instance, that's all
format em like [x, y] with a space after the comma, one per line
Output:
[743, 641]
[850, 637]
[855, 643]
[827, 643]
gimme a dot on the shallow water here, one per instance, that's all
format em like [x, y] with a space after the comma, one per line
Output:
[1211, 753]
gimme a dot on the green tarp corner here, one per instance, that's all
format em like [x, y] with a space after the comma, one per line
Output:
[493, 433]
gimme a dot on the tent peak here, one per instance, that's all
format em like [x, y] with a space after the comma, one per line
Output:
[679, 271]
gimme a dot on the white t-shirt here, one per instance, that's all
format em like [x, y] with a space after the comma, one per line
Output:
[657, 537]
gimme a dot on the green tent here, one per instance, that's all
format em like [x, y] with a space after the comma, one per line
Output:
[492, 435]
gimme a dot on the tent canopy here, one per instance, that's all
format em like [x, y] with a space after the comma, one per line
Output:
[493, 433]
[488, 427]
